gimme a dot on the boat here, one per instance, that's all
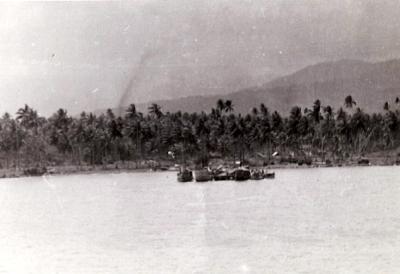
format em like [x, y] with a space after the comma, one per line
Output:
[363, 162]
[185, 175]
[269, 175]
[256, 174]
[202, 175]
[220, 173]
[222, 176]
[241, 174]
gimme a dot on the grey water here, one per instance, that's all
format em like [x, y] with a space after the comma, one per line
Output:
[326, 220]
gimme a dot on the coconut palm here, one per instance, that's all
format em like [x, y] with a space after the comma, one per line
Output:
[155, 110]
[220, 105]
[349, 102]
[58, 127]
[131, 112]
[10, 139]
[29, 138]
[316, 111]
[229, 106]
[386, 106]
[343, 132]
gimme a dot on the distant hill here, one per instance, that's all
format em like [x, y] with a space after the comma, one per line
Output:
[370, 84]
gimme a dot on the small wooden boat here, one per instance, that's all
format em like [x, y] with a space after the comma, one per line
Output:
[202, 175]
[256, 175]
[269, 175]
[221, 176]
[185, 175]
[242, 174]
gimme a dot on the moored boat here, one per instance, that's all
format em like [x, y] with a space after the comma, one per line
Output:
[269, 175]
[221, 176]
[363, 162]
[241, 174]
[202, 175]
[256, 174]
[185, 175]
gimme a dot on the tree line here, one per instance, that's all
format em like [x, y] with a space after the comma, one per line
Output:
[318, 131]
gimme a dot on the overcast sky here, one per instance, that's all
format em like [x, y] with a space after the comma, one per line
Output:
[86, 56]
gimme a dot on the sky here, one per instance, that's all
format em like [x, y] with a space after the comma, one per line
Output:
[96, 55]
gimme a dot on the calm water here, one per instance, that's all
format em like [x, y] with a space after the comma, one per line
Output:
[329, 220]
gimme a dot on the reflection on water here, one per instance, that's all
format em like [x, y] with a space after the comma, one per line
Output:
[329, 220]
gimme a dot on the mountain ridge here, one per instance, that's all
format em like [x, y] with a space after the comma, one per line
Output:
[370, 84]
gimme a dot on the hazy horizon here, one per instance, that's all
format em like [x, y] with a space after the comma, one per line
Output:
[95, 55]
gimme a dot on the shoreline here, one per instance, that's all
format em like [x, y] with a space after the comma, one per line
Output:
[87, 170]
[70, 170]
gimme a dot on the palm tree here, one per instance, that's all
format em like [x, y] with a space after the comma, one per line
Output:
[29, 138]
[113, 135]
[131, 112]
[254, 111]
[386, 106]
[228, 106]
[293, 125]
[327, 130]
[220, 105]
[359, 128]
[34, 142]
[390, 128]
[343, 131]
[264, 110]
[349, 102]
[316, 111]
[238, 133]
[23, 113]
[59, 125]
[77, 134]
[202, 131]
[155, 110]
[9, 138]
[29, 118]
[328, 110]
[265, 129]
[134, 130]
[110, 114]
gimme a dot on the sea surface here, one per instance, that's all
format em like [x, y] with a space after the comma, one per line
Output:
[325, 220]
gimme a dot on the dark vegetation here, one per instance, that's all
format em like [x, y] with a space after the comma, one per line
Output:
[305, 135]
